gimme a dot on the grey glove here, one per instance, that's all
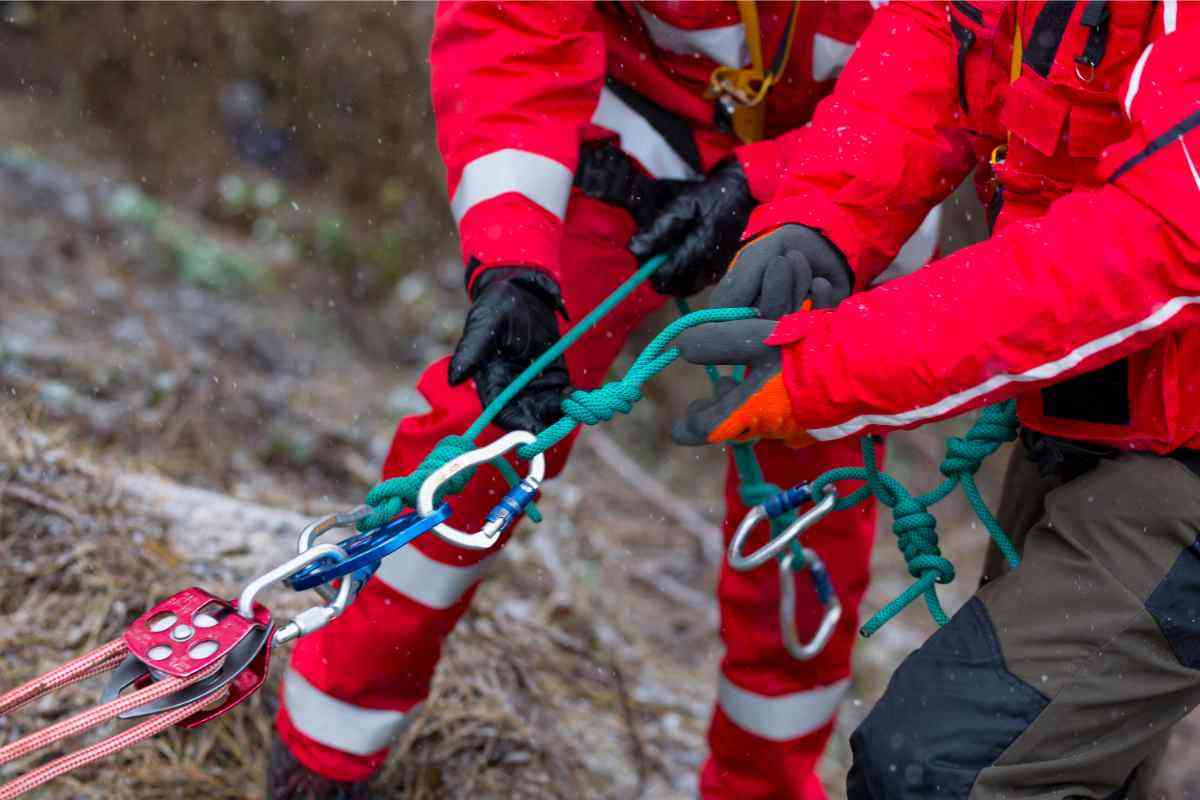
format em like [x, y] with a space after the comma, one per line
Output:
[778, 271]
[734, 343]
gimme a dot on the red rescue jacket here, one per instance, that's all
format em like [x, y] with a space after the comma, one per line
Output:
[1084, 302]
[518, 87]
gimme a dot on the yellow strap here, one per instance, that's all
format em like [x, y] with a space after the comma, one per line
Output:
[748, 10]
[747, 87]
[1014, 72]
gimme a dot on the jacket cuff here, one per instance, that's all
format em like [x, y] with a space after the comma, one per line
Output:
[760, 162]
[834, 222]
[510, 231]
[798, 336]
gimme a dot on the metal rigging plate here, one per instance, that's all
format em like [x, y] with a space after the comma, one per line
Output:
[239, 658]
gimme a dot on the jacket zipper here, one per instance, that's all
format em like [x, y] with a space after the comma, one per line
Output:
[966, 38]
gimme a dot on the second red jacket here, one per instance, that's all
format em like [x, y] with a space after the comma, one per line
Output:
[518, 87]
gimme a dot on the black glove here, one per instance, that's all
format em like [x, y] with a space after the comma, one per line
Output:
[777, 272]
[512, 322]
[699, 230]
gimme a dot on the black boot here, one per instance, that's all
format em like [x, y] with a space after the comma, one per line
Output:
[288, 779]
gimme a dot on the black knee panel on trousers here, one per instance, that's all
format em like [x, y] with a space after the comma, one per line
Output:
[1175, 606]
[950, 710]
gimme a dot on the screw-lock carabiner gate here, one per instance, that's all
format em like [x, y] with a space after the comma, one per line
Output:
[781, 503]
[781, 546]
[310, 619]
[507, 510]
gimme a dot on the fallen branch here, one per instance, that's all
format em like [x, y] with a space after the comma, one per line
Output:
[27, 495]
[210, 525]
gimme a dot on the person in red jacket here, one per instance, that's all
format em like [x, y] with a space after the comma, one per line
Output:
[566, 128]
[1062, 677]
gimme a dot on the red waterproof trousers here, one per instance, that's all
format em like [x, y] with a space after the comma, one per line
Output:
[350, 686]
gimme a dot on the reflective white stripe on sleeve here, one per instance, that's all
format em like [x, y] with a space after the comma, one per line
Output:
[1170, 15]
[829, 56]
[640, 139]
[917, 251]
[336, 723]
[537, 178]
[782, 717]
[725, 45]
[1191, 164]
[418, 577]
[1135, 80]
[1040, 373]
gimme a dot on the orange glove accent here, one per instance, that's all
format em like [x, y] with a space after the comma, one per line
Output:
[767, 414]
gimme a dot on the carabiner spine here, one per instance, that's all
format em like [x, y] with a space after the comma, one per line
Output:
[806, 651]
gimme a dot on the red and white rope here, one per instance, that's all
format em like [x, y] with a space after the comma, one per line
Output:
[107, 747]
[86, 720]
[102, 659]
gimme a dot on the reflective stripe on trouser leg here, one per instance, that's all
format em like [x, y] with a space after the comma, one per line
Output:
[382, 653]
[334, 723]
[774, 715]
[782, 717]
[417, 576]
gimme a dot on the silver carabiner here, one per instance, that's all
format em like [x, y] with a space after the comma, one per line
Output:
[318, 528]
[745, 563]
[310, 619]
[485, 538]
[805, 651]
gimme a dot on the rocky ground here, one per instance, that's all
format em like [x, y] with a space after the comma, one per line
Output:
[185, 339]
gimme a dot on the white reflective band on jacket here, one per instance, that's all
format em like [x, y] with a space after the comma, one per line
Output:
[335, 723]
[1043, 372]
[1135, 79]
[780, 718]
[537, 178]
[917, 251]
[829, 56]
[725, 45]
[418, 577]
[640, 139]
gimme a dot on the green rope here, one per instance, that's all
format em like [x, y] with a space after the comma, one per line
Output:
[392, 496]
[915, 528]
[753, 487]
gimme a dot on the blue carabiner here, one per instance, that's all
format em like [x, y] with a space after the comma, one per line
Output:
[364, 551]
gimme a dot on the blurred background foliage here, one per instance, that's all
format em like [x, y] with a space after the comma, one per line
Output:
[237, 111]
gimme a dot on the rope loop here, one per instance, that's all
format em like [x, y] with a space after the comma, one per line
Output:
[964, 455]
[396, 494]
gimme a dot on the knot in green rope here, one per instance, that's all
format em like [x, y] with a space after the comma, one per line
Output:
[916, 537]
[601, 405]
[996, 425]
[396, 494]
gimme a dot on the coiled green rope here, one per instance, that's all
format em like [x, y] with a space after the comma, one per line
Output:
[915, 528]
